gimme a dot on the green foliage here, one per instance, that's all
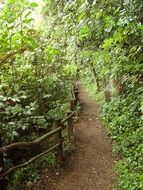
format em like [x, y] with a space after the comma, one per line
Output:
[128, 179]
[33, 173]
[103, 40]
[36, 78]
[109, 41]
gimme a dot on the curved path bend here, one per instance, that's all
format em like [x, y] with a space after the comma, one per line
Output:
[90, 166]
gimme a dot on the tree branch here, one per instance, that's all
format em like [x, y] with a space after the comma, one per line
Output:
[10, 54]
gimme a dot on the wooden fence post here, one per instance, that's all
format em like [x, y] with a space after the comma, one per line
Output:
[2, 181]
[70, 126]
[58, 139]
[76, 94]
[72, 105]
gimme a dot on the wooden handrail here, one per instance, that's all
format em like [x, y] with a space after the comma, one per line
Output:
[57, 133]
[28, 144]
[28, 162]
[67, 118]
[37, 141]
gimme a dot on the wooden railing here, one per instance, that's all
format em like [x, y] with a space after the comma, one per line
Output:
[58, 127]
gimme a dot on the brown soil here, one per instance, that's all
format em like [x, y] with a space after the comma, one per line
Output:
[90, 166]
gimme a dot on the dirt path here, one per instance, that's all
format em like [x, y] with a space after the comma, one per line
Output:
[90, 167]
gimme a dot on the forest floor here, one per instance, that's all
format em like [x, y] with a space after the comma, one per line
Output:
[90, 165]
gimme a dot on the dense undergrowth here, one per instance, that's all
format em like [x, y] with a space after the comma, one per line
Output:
[35, 82]
[117, 82]
[104, 40]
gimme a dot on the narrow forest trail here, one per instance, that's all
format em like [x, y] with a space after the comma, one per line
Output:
[90, 167]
